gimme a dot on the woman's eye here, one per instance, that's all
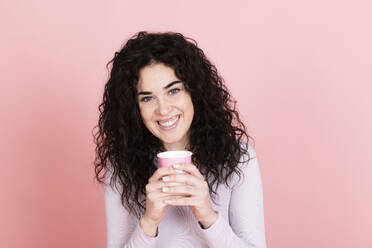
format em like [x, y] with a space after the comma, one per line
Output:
[174, 91]
[146, 99]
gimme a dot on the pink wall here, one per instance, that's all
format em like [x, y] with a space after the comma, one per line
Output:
[300, 70]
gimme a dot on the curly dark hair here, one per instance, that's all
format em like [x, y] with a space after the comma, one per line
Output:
[125, 147]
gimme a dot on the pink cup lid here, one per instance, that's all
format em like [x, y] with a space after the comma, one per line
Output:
[173, 157]
[174, 154]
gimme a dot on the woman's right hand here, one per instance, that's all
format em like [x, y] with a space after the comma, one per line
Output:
[155, 206]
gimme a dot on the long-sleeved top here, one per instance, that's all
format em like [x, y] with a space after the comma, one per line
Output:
[240, 221]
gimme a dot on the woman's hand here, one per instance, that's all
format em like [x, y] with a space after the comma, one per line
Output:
[155, 197]
[195, 193]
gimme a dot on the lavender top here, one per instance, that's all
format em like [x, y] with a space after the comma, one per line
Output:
[240, 220]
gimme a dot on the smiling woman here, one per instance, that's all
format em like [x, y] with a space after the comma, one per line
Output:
[166, 109]
[163, 94]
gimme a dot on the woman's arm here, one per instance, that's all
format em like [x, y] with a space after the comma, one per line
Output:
[246, 213]
[123, 229]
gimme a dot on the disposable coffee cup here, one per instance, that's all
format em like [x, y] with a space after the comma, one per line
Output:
[170, 158]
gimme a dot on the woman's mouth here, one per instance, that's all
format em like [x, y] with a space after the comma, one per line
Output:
[169, 123]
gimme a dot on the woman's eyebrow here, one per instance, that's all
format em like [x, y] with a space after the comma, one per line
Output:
[172, 83]
[166, 87]
[144, 93]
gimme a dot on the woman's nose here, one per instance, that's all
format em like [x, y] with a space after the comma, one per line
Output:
[163, 107]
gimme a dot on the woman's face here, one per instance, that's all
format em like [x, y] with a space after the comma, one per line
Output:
[165, 105]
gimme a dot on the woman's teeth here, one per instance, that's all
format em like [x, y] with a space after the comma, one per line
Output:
[168, 123]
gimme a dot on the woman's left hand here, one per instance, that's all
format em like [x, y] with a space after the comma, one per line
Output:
[196, 191]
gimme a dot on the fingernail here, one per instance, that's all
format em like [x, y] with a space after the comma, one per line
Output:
[176, 166]
[179, 171]
[165, 189]
[165, 179]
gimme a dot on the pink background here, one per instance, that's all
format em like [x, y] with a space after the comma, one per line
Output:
[300, 70]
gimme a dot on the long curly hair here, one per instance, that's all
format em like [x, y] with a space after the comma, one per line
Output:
[127, 149]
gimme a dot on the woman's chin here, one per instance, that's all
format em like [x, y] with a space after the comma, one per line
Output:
[174, 144]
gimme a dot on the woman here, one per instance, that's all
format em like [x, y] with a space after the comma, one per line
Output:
[164, 94]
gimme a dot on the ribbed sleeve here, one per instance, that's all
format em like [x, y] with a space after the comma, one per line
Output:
[123, 230]
[245, 227]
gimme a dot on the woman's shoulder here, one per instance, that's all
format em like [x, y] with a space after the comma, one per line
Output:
[247, 166]
[111, 180]
[248, 153]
